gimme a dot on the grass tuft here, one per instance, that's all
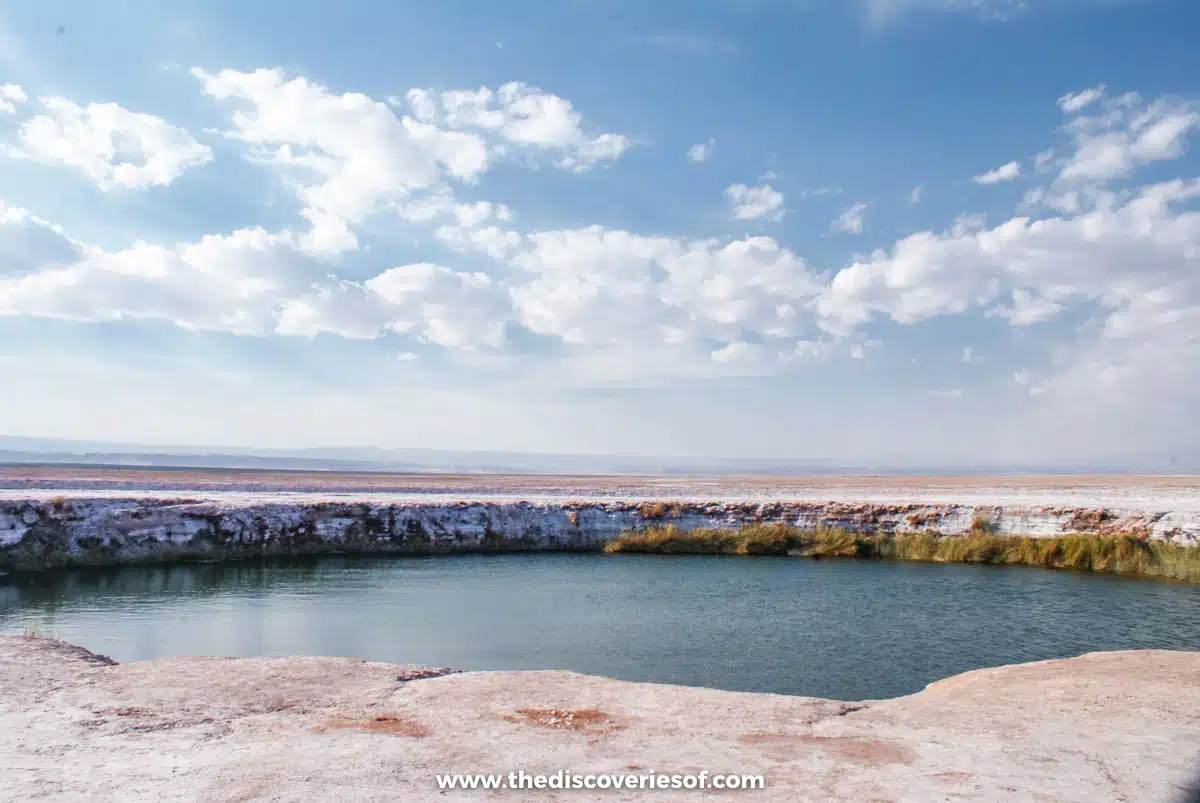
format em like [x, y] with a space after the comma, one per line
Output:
[1119, 554]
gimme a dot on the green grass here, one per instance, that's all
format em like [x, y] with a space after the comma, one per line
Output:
[1121, 554]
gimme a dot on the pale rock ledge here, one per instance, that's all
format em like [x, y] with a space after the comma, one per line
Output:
[1120, 726]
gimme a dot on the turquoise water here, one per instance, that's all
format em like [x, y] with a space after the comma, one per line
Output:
[841, 629]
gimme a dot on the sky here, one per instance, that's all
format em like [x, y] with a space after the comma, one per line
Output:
[888, 230]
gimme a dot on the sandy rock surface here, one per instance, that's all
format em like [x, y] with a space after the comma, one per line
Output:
[74, 726]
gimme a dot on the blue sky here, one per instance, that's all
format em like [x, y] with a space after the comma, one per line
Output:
[889, 230]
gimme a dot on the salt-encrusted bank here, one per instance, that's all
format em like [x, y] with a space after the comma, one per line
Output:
[44, 529]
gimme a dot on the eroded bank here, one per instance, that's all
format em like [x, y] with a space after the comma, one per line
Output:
[53, 530]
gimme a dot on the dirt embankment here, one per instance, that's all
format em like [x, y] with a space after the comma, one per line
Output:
[44, 529]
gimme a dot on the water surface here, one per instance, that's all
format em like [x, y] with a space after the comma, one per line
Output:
[841, 629]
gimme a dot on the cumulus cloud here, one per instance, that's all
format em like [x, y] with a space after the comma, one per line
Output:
[438, 306]
[522, 115]
[1125, 259]
[592, 288]
[1128, 133]
[351, 156]
[603, 287]
[850, 221]
[10, 96]
[447, 308]
[1134, 263]
[112, 146]
[227, 283]
[701, 151]
[1003, 173]
[763, 202]
[249, 282]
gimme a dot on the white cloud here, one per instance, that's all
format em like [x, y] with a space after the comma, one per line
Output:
[701, 151]
[436, 305]
[351, 154]
[604, 287]
[10, 96]
[955, 393]
[1072, 103]
[914, 197]
[1006, 172]
[763, 202]
[447, 308]
[522, 115]
[1028, 307]
[1042, 263]
[1125, 261]
[234, 283]
[740, 352]
[968, 355]
[1127, 134]
[111, 145]
[1131, 266]
[850, 221]
[345, 309]
[30, 243]
[592, 288]
[249, 282]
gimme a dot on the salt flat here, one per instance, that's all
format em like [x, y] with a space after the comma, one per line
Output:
[1134, 493]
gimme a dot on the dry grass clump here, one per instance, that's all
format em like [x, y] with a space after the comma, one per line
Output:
[659, 510]
[1120, 554]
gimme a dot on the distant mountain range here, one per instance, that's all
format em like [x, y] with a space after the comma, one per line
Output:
[21, 450]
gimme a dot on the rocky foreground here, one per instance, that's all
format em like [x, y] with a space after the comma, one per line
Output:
[1121, 726]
